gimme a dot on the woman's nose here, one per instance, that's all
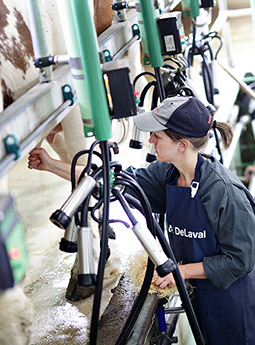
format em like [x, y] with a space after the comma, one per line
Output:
[151, 138]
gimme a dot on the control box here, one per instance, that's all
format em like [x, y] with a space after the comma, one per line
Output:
[207, 3]
[171, 33]
[119, 90]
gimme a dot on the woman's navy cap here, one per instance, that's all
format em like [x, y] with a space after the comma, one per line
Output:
[185, 115]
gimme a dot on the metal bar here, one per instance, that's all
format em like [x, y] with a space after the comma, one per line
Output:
[34, 115]
[172, 318]
[38, 36]
[125, 48]
[10, 160]
[241, 12]
[118, 34]
[228, 157]
[144, 321]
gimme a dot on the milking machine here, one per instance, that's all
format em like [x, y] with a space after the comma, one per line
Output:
[98, 186]
[172, 75]
[199, 44]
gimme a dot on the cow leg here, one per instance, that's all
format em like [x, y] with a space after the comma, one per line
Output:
[75, 292]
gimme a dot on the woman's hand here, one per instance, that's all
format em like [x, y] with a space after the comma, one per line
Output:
[167, 281]
[188, 271]
[39, 159]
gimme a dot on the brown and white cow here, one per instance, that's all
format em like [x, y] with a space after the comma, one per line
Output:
[18, 73]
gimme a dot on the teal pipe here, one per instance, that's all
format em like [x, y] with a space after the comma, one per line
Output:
[186, 8]
[69, 30]
[194, 8]
[146, 57]
[151, 33]
[87, 39]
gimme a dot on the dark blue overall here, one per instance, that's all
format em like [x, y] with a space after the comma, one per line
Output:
[226, 317]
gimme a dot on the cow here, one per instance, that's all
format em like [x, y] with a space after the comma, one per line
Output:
[16, 58]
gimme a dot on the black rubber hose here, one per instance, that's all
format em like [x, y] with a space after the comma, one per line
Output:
[145, 90]
[73, 165]
[137, 305]
[126, 180]
[218, 144]
[220, 46]
[88, 166]
[209, 48]
[104, 243]
[91, 152]
[208, 81]
[183, 89]
[155, 98]
[140, 75]
[207, 77]
[192, 52]
[125, 206]
[160, 84]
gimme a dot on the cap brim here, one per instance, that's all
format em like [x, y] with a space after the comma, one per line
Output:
[147, 123]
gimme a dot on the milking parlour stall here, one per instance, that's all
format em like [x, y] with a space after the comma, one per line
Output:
[80, 247]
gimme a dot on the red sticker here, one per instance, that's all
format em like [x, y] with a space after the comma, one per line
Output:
[15, 253]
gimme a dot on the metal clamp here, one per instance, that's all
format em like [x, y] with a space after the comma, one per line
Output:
[11, 145]
[67, 93]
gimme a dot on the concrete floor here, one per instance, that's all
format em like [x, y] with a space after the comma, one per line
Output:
[38, 194]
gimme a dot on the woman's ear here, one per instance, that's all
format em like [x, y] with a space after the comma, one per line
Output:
[183, 145]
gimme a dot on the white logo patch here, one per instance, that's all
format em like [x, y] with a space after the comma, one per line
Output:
[186, 233]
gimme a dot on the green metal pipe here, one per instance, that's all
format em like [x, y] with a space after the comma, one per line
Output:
[68, 27]
[151, 33]
[186, 8]
[87, 40]
[146, 57]
[194, 8]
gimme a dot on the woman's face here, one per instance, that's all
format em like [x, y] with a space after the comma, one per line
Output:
[165, 148]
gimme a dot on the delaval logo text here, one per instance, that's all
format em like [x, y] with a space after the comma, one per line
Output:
[186, 233]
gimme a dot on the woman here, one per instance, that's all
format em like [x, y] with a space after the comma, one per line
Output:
[210, 218]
